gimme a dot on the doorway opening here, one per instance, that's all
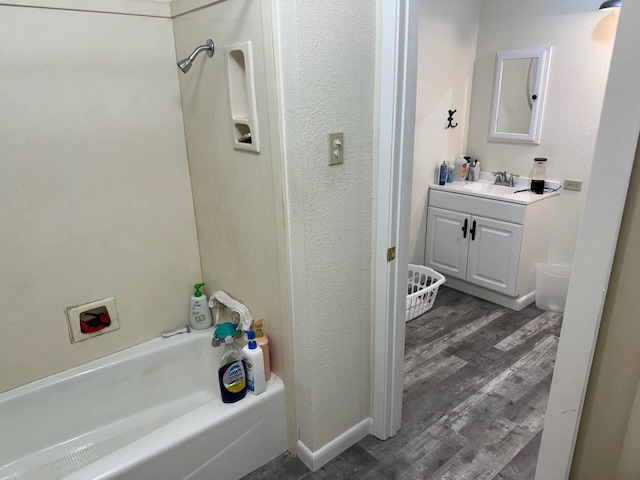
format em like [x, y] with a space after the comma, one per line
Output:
[470, 319]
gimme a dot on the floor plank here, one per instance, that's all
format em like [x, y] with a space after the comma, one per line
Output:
[355, 462]
[441, 366]
[538, 324]
[437, 345]
[495, 332]
[459, 416]
[523, 465]
[486, 457]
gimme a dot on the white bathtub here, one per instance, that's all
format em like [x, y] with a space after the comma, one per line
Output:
[150, 412]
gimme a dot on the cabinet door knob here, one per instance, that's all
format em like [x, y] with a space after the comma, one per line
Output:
[464, 228]
[473, 231]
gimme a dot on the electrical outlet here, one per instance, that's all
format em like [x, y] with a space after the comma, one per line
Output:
[336, 148]
[575, 185]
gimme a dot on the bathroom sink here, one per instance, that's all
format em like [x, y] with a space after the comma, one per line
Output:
[486, 188]
[490, 188]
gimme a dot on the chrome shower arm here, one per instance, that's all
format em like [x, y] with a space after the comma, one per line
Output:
[208, 47]
[185, 63]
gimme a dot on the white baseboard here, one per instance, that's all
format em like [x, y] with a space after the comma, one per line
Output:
[315, 460]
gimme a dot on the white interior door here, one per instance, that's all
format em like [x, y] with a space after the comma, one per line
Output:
[447, 242]
[494, 253]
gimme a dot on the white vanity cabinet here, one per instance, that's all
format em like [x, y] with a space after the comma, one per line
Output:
[488, 247]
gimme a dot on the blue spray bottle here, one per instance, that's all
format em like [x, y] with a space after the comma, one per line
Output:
[443, 174]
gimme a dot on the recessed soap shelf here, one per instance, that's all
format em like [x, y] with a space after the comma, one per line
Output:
[242, 96]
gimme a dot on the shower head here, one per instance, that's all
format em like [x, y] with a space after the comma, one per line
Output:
[185, 63]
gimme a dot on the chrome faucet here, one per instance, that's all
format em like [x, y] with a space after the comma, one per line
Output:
[505, 179]
[501, 178]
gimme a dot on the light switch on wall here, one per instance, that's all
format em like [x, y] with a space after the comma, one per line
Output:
[336, 148]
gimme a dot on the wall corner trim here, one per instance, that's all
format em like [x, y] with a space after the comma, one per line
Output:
[180, 7]
[316, 460]
[144, 8]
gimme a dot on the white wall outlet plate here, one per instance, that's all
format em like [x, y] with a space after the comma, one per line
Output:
[93, 317]
[575, 185]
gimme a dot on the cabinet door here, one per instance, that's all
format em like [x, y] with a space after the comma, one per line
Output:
[494, 253]
[447, 242]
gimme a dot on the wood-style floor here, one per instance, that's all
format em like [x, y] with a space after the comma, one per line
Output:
[476, 384]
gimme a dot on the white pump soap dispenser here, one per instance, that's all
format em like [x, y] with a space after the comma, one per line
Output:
[199, 313]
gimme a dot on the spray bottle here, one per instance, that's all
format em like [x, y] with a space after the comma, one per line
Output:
[442, 177]
[232, 375]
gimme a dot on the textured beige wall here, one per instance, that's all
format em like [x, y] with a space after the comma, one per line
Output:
[328, 53]
[446, 52]
[616, 365]
[582, 39]
[95, 198]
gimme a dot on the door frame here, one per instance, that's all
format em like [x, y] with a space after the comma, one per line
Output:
[398, 84]
[617, 139]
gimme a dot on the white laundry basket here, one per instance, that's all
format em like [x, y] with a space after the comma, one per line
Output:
[422, 289]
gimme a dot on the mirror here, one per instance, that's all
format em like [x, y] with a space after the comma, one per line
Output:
[519, 88]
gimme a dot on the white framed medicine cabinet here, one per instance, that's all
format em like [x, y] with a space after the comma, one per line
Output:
[519, 91]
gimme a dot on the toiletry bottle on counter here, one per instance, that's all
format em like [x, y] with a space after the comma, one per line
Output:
[537, 181]
[199, 313]
[443, 174]
[232, 374]
[254, 365]
[263, 343]
[475, 171]
[460, 169]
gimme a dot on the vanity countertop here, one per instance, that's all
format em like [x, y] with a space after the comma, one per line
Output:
[485, 188]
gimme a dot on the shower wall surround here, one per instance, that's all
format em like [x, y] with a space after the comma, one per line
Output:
[95, 199]
[238, 194]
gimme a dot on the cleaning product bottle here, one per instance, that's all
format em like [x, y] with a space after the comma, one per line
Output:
[232, 375]
[263, 343]
[254, 365]
[443, 174]
[199, 313]
[459, 169]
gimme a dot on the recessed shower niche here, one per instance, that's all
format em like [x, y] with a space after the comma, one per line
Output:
[242, 96]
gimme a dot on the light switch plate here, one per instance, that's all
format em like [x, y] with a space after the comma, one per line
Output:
[336, 148]
[73, 318]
